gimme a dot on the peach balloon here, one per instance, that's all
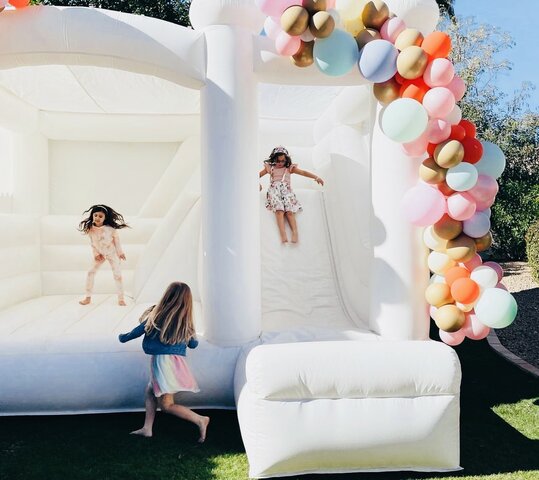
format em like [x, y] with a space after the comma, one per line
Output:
[439, 262]
[465, 290]
[415, 89]
[437, 44]
[408, 37]
[454, 273]
[449, 318]
[438, 294]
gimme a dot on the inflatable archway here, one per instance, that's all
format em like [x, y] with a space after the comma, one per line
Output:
[169, 125]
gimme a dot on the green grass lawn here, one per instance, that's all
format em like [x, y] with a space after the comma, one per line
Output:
[499, 437]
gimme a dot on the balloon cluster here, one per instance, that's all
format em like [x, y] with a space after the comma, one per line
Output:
[13, 3]
[417, 84]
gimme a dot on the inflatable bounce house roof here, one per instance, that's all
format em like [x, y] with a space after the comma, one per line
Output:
[322, 346]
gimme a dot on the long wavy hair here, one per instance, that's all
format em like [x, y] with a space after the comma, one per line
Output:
[172, 317]
[112, 218]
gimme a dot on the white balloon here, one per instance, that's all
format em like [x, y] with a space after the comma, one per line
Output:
[492, 162]
[455, 116]
[440, 262]
[485, 277]
[350, 9]
[420, 14]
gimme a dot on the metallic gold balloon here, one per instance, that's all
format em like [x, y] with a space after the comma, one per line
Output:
[304, 56]
[375, 13]
[408, 37]
[367, 35]
[431, 172]
[438, 294]
[387, 91]
[314, 6]
[483, 243]
[462, 248]
[449, 153]
[321, 24]
[295, 20]
[447, 227]
[412, 62]
[449, 318]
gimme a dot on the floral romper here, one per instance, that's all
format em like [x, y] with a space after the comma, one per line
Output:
[280, 195]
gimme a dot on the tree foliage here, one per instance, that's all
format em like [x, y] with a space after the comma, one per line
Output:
[506, 120]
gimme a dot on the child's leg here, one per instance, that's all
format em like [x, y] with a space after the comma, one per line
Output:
[168, 405]
[150, 403]
[290, 216]
[114, 261]
[279, 215]
[90, 282]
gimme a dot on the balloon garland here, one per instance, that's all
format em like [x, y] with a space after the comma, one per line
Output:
[417, 84]
[14, 3]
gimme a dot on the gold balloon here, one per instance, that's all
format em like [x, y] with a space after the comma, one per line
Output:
[447, 227]
[431, 172]
[462, 248]
[483, 243]
[412, 62]
[375, 13]
[353, 27]
[295, 20]
[408, 37]
[433, 241]
[367, 35]
[449, 153]
[321, 24]
[314, 6]
[449, 318]
[304, 56]
[387, 91]
[438, 294]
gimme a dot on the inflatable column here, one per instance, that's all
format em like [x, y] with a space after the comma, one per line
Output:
[399, 272]
[230, 202]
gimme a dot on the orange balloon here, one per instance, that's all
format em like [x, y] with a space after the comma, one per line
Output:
[437, 45]
[19, 3]
[455, 273]
[465, 290]
[415, 89]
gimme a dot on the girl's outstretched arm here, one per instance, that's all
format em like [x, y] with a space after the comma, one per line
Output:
[135, 333]
[305, 173]
[262, 173]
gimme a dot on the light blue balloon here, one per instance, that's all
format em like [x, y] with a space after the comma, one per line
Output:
[496, 308]
[461, 177]
[492, 162]
[337, 54]
[378, 61]
[404, 120]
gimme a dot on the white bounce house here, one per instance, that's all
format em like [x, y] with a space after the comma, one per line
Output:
[322, 347]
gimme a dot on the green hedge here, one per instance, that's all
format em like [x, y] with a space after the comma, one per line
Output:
[532, 249]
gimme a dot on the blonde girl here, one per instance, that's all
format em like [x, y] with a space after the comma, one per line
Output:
[168, 330]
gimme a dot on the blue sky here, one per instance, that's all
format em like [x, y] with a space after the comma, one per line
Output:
[520, 19]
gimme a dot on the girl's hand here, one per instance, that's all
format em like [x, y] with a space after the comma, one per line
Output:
[122, 256]
[99, 258]
[260, 185]
[319, 181]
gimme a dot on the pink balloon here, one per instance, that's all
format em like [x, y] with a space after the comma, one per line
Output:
[438, 130]
[330, 4]
[484, 192]
[502, 286]
[439, 102]
[287, 44]
[461, 206]
[416, 148]
[272, 27]
[473, 328]
[475, 262]
[423, 205]
[439, 73]
[497, 268]
[452, 339]
[392, 28]
[457, 87]
[274, 8]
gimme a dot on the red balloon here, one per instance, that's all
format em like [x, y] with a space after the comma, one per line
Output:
[473, 150]
[457, 133]
[399, 78]
[415, 89]
[430, 148]
[19, 3]
[469, 128]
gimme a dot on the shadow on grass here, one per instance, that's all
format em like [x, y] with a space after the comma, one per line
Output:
[488, 445]
[92, 447]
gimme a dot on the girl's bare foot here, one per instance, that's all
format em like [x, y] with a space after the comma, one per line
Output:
[143, 432]
[294, 237]
[122, 303]
[86, 301]
[203, 426]
[284, 240]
